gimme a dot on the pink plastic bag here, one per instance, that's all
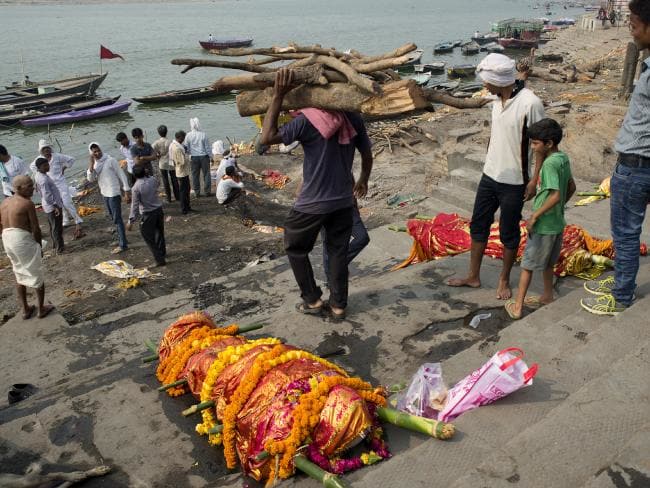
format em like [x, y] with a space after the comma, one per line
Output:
[504, 373]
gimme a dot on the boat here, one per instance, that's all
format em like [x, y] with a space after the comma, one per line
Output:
[493, 47]
[420, 79]
[448, 86]
[457, 42]
[485, 38]
[182, 95]
[77, 115]
[443, 47]
[511, 43]
[434, 67]
[19, 106]
[461, 71]
[518, 34]
[225, 43]
[87, 85]
[19, 116]
[470, 48]
[27, 83]
[414, 57]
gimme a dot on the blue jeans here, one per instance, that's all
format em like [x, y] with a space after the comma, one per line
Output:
[114, 206]
[630, 188]
[359, 240]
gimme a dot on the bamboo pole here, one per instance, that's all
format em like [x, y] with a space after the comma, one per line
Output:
[198, 63]
[328, 480]
[172, 385]
[198, 408]
[217, 429]
[151, 346]
[150, 359]
[433, 428]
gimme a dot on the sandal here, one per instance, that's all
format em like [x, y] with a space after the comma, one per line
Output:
[533, 301]
[118, 250]
[304, 308]
[336, 315]
[510, 309]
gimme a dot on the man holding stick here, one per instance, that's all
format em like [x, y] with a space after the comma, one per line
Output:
[326, 199]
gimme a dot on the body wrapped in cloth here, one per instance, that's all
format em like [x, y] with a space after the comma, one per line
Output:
[25, 255]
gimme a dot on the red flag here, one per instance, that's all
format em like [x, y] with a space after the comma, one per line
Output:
[105, 53]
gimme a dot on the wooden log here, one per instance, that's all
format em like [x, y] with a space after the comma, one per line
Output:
[380, 65]
[398, 97]
[311, 75]
[269, 51]
[544, 74]
[396, 53]
[441, 96]
[198, 63]
[351, 74]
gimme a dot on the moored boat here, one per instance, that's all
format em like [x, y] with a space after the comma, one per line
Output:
[461, 71]
[443, 47]
[18, 116]
[511, 43]
[182, 95]
[87, 85]
[420, 79]
[485, 38]
[77, 115]
[470, 48]
[433, 67]
[493, 47]
[225, 43]
[20, 106]
[414, 57]
[27, 83]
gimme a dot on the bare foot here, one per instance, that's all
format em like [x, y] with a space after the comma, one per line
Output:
[27, 314]
[469, 282]
[504, 292]
[44, 312]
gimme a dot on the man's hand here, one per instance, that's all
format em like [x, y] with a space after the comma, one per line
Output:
[283, 80]
[360, 188]
[127, 197]
[531, 190]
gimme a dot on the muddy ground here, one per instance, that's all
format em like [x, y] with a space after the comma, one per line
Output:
[219, 240]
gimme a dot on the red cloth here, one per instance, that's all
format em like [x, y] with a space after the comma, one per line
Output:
[329, 122]
[105, 53]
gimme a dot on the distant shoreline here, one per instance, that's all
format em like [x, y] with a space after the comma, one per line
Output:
[92, 2]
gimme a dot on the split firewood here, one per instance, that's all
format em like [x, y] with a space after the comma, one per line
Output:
[311, 75]
[292, 48]
[197, 63]
[440, 96]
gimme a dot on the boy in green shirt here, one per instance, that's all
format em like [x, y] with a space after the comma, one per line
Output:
[546, 224]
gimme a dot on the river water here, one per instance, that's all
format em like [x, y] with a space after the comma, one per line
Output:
[57, 41]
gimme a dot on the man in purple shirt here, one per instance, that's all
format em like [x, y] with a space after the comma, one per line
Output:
[326, 199]
[51, 202]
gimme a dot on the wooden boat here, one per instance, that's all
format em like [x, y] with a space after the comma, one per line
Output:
[414, 57]
[510, 43]
[448, 86]
[434, 67]
[19, 116]
[19, 106]
[461, 71]
[27, 83]
[485, 38]
[87, 85]
[443, 47]
[225, 43]
[421, 79]
[77, 115]
[493, 47]
[470, 48]
[189, 94]
[457, 42]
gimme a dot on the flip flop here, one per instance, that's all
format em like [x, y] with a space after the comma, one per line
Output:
[30, 312]
[335, 315]
[303, 308]
[533, 301]
[48, 309]
[510, 306]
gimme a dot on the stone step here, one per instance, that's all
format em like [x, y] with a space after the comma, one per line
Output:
[465, 178]
[459, 197]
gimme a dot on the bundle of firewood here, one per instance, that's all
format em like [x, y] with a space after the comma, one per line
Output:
[325, 78]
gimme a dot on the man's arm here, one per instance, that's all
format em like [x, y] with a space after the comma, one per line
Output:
[33, 223]
[270, 134]
[361, 186]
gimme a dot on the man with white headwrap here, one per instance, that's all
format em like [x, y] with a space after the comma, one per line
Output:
[58, 164]
[106, 171]
[506, 182]
[198, 148]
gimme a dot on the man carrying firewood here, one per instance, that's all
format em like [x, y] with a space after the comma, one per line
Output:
[326, 200]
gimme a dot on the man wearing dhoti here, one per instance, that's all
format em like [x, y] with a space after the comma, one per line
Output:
[58, 164]
[21, 238]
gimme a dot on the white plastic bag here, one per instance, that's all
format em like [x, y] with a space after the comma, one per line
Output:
[425, 396]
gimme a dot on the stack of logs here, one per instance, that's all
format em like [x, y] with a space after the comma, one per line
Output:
[328, 79]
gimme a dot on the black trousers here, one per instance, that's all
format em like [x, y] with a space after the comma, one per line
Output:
[166, 175]
[152, 228]
[184, 193]
[300, 233]
[56, 230]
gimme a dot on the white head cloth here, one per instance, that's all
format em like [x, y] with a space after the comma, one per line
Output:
[497, 69]
[194, 124]
[43, 143]
[91, 145]
[217, 148]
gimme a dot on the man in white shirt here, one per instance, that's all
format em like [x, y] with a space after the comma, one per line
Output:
[505, 183]
[58, 164]
[125, 149]
[229, 187]
[198, 148]
[106, 171]
[228, 160]
[10, 167]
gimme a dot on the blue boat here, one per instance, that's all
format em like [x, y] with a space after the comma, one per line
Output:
[443, 47]
[77, 115]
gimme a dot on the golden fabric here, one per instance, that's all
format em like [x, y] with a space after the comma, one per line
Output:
[198, 364]
[343, 421]
[176, 332]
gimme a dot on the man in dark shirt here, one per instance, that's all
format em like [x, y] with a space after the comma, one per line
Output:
[326, 199]
[142, 152]
[146, 202]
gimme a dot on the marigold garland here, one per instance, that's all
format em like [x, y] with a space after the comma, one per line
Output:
[225, 358]
[307, 415]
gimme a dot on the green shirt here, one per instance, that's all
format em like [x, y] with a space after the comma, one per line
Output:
[555, 175]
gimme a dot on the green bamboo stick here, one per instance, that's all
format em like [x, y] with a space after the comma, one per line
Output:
[150, 359]
[423, 217]
[249, 328]
[198, 407]
[172, 385]
[591, 194]
[261, 456]
[397, 228]
[217, 429]
[433, 428]
[328, 480]
[151, 346]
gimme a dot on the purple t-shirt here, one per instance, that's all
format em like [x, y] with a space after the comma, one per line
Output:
[327, 180]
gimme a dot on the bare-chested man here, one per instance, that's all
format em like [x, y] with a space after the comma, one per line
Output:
[21, 238]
